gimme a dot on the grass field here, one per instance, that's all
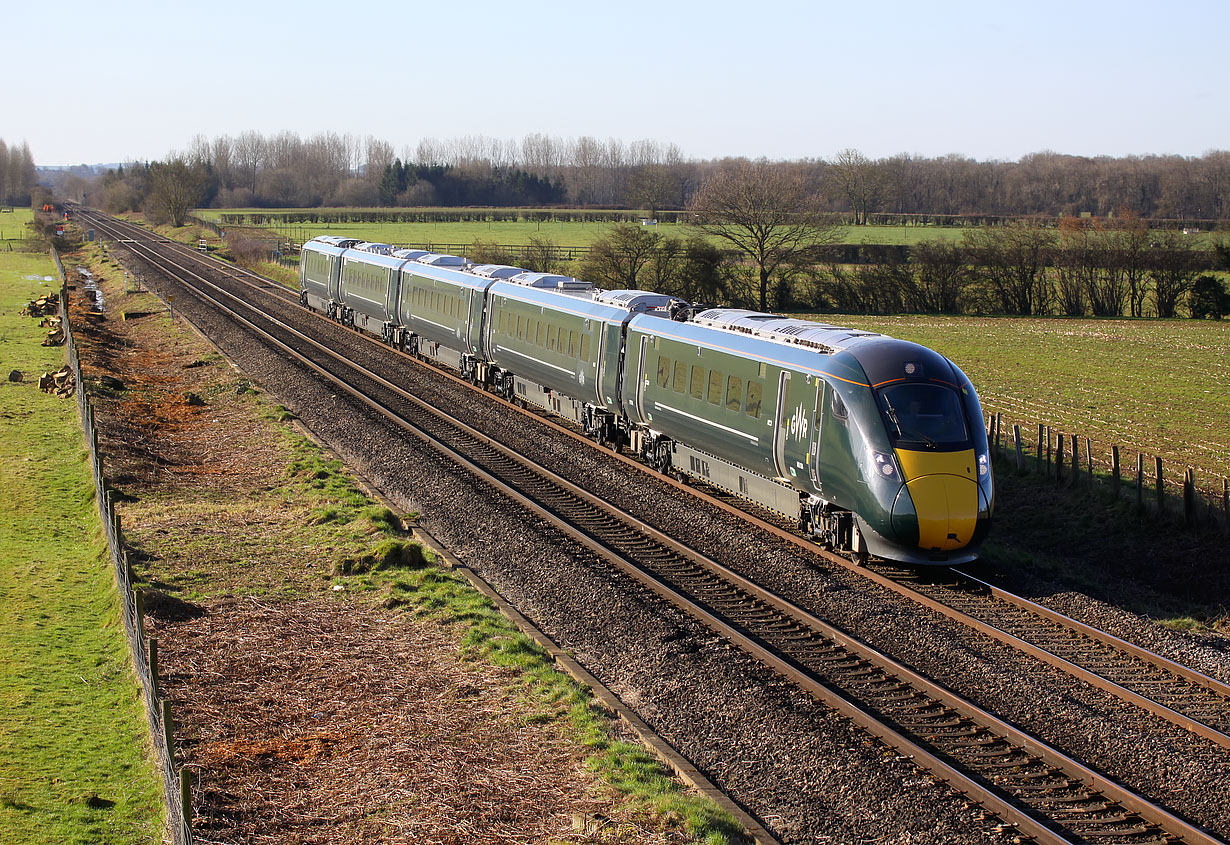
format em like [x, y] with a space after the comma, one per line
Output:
[73, 736]
[14, 229]
[561, 233]
[1161, 387]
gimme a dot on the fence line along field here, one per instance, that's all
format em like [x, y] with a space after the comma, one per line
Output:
[1161, 387]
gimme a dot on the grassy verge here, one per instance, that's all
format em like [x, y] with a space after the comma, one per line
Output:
[73, 735]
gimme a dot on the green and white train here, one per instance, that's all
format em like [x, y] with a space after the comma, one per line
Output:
[875, 445]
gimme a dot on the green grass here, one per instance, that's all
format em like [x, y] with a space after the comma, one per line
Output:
[14, 227]
[561, 233]
[1161, 387]
[73, 736]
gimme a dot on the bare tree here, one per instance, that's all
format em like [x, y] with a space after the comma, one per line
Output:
[617, 258]
[175, 189]
[767, 211]
[1173, 266]
[859, 180]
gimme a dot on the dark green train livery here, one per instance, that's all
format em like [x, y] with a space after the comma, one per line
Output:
[875, 445]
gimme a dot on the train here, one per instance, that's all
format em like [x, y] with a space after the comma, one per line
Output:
[876, 446]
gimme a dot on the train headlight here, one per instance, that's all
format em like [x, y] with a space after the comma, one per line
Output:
[884, 464]
[984, 465]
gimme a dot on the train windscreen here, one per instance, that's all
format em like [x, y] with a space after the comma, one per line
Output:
[925, 414]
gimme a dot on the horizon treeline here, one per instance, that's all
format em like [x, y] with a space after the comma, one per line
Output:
[18, 175]
[252, 170]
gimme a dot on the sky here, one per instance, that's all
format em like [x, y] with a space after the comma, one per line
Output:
[128, 80]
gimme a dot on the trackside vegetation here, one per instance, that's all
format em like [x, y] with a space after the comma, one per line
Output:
[73, 733]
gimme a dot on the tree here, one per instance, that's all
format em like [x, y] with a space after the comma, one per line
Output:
[860, 180]
[767, 211]
[616, 259]
[1012, 260]
[1173, 264]
[941, 275]
[1208, 298]
[176, 187]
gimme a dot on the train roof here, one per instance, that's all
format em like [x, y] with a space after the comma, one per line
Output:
[771, 327]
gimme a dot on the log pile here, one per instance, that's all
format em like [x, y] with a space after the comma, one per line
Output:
[60, 383]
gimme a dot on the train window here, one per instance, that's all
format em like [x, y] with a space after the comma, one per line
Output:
[520, 327]
[664, 371]
[715, 388]
[734, 393]
[585, 347]
[924, 413]
[572, 344]
[698, 382]
[680, 384]
[838, 406]
[540, 335]
[552, 335]
[503, 322]
[755, 392]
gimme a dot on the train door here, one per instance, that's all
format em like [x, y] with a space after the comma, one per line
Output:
[817, 430]
[835, 462]
[779, 435]
[642, 376]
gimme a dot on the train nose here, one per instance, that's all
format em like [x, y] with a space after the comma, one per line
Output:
[943, 497]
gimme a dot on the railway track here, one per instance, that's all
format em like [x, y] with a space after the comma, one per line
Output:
[1047, 795]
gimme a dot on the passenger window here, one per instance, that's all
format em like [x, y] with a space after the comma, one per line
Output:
[572, 344]
[715, 387]
[681, 377]
[552, 336]
[755, 392]
[520, 327]
[734, 393]
[540, 336]
[664, 371]
[698, 382]
[503, 322]
[585, 347]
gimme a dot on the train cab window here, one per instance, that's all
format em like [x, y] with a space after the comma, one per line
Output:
[680, 382]
[838, 406]
[755, 392]
[697, 387]
[552, 336]
[734, 393]
[715, 388]
[585, 347]
[928, 414]
[664, 371]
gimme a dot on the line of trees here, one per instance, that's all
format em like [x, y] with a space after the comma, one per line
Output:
[17, 174]
[331, 169]
[1087, 268]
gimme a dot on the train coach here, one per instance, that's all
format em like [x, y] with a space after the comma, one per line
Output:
[875, 445]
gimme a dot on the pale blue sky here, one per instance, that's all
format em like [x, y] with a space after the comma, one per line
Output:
[94, 81]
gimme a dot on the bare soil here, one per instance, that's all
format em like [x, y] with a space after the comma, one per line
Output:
[303, 714]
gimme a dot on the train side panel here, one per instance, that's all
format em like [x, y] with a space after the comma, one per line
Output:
[368, 285]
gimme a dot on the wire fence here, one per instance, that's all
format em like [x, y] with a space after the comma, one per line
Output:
[176, 783]
[1074, 460]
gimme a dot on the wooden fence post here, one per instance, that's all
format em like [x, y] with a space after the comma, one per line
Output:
[1225, 497]
[1189, 496]
[1016, 441]
[1076, 460]
[1059, 458]
[1089, 460]
[1114, 470]
[999, 424]
[185, 796]
[1140, 479]
[1160, 489]
[152, 662]
[1038, 457]
[1048, 451]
